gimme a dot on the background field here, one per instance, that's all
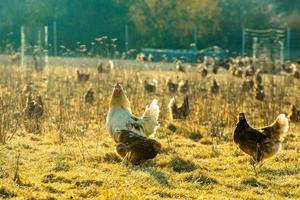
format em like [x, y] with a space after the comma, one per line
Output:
[73, 156]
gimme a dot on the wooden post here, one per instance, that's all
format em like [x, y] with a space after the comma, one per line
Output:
[243, 41]
[23, 46]
[288, 43]
[54, 39]
[195, 37]
[126, 38]
[46, 45]
[281, 43]
[254, 49]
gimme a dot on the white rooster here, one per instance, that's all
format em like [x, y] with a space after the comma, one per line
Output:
[120, 116]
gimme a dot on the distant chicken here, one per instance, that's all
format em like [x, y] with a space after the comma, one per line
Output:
[214, 88]
[259, 92]
[150, 58]
[89, 96]
[105, 68]
[247, 85]
[16, 58]
[204, 71]
[100, 68]
[81, 77]
[296, 74]
[183, 86]
[179, 66]
[150, 86]
[34, 108]
[260, 143]
[236, 71]
[294, 114]
[135, 148]
[249, 71]
[120, 116]
[179, 112]
[257, 77]
[164, 58]
[28, 88]
[172, 86]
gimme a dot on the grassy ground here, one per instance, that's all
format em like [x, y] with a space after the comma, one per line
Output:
[73, 156]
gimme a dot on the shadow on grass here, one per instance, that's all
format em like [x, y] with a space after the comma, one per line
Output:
[280, 172]
[159, 176]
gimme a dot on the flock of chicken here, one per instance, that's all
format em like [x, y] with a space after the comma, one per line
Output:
[131, 133]
[134, 135]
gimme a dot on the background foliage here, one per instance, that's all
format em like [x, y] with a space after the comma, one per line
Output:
[152, 23]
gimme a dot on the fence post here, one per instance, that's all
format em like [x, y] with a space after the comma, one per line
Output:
[46, 45]
[54, 39]
[126, 38]
[281, 43]
[254, 49]
[243, 41]
[195, 37]
[23, 47]
[288, 43]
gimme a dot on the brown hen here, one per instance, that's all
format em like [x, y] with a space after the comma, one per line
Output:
[260, 143]
[135, 148]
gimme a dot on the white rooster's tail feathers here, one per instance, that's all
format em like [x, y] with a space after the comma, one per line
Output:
[283, 123]
[171, 103]
[150, 118]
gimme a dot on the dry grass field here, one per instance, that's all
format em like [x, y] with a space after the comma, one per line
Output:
[72, 156]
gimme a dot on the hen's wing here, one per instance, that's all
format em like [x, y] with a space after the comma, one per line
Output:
[248, 139]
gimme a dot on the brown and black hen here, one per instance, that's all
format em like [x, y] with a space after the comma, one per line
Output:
[135, 148]
[34, 108]
[150, 86]
[89, 96]
[260, 143]
[179, 112]
[172, 86]
[81, 77]
[294, 114]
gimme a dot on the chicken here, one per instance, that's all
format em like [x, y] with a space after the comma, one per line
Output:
[150, 86]
[202, 68]
[136, 148]
[296, 74]
[179, 112]
[105, 68]
[259, 92]
[100, 68]
[214, 88]
[236, 71]
[247, 85]
[28, 88]
[183, 86]
[120, 116]
[89, 96]
[257, 77]
[294, 114]
[81, 77]
[16, 58]
[179, 66]
[150, 58]
[260, 143]
[164, 58]
[172, 86]
[34, 108]
[249, 71]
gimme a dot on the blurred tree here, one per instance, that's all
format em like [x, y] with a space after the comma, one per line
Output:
[237, 14]
[152, 23]
[170, 23]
